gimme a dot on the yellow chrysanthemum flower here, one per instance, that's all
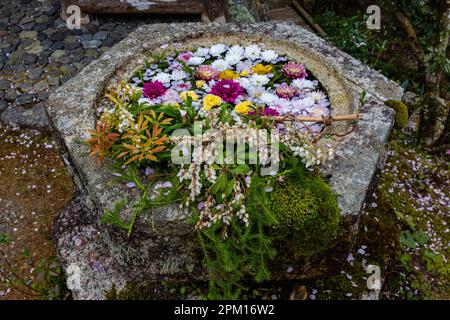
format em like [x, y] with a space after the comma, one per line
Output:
[228, 75]
[185, 94]
[243, 107]
[199, 83]
[262, 69]
[211, 101]
[245, 73]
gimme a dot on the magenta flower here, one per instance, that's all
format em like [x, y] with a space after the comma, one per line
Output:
[206, 73]
[228, 90]
[294, 70]
[266, 112]
[285, 91]
[154, 89]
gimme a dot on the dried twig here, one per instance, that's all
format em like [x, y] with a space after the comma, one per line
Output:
[325, 120]
[309, 19]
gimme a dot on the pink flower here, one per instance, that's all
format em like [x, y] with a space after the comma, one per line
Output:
[185, 56]
[183, 86]
[294, 70]
[228, 90]
[285, 91]
[447, 152]
[206, 73]
[153, 89]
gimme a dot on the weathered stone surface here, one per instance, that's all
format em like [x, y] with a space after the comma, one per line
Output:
[162, 243]
[35, 118]
[5, 84]
[3, 105]
[77, 235]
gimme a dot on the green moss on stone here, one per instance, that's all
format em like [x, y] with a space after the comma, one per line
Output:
[401, 112]
[307, 213]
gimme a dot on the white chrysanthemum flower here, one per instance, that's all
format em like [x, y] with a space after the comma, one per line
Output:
[269, 55]
[195, 61]
[306, 103]
[252, 52]
[243, 66]
[260, 80]
[303, 84]
[220, 65]
[236, 50]
[162, 77]
[245, 83]
[233, 58]
[255, 91]
[201, 52]
[269, 98]
[178, 75]
[217, 49]
[317, 96]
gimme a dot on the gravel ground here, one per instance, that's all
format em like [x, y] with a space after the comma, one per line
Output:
[38, 53]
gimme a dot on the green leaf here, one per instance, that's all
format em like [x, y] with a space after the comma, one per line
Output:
[405, 259]
[421, 237]
[407, 239]
[240, 169]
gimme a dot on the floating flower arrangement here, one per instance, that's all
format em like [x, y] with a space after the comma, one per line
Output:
[184, 100]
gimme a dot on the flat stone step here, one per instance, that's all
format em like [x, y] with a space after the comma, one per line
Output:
[289, 14]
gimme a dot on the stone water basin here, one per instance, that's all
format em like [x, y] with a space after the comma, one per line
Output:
[162, 245]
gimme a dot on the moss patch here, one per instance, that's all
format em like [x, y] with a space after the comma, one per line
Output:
[307, 213]
[401, 112]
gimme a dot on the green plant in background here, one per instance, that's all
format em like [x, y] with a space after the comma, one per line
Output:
[437, 58]
[351, 35]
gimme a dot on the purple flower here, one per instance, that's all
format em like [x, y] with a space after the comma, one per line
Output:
[447, 152]
[154, 89]
[201, 205]
[228, 90]
[171, 96]
[294, 70]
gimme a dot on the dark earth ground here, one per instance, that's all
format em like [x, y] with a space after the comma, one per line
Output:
[405, 229]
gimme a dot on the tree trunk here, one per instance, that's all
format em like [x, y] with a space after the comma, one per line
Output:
[431, 108]
[444, 139]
